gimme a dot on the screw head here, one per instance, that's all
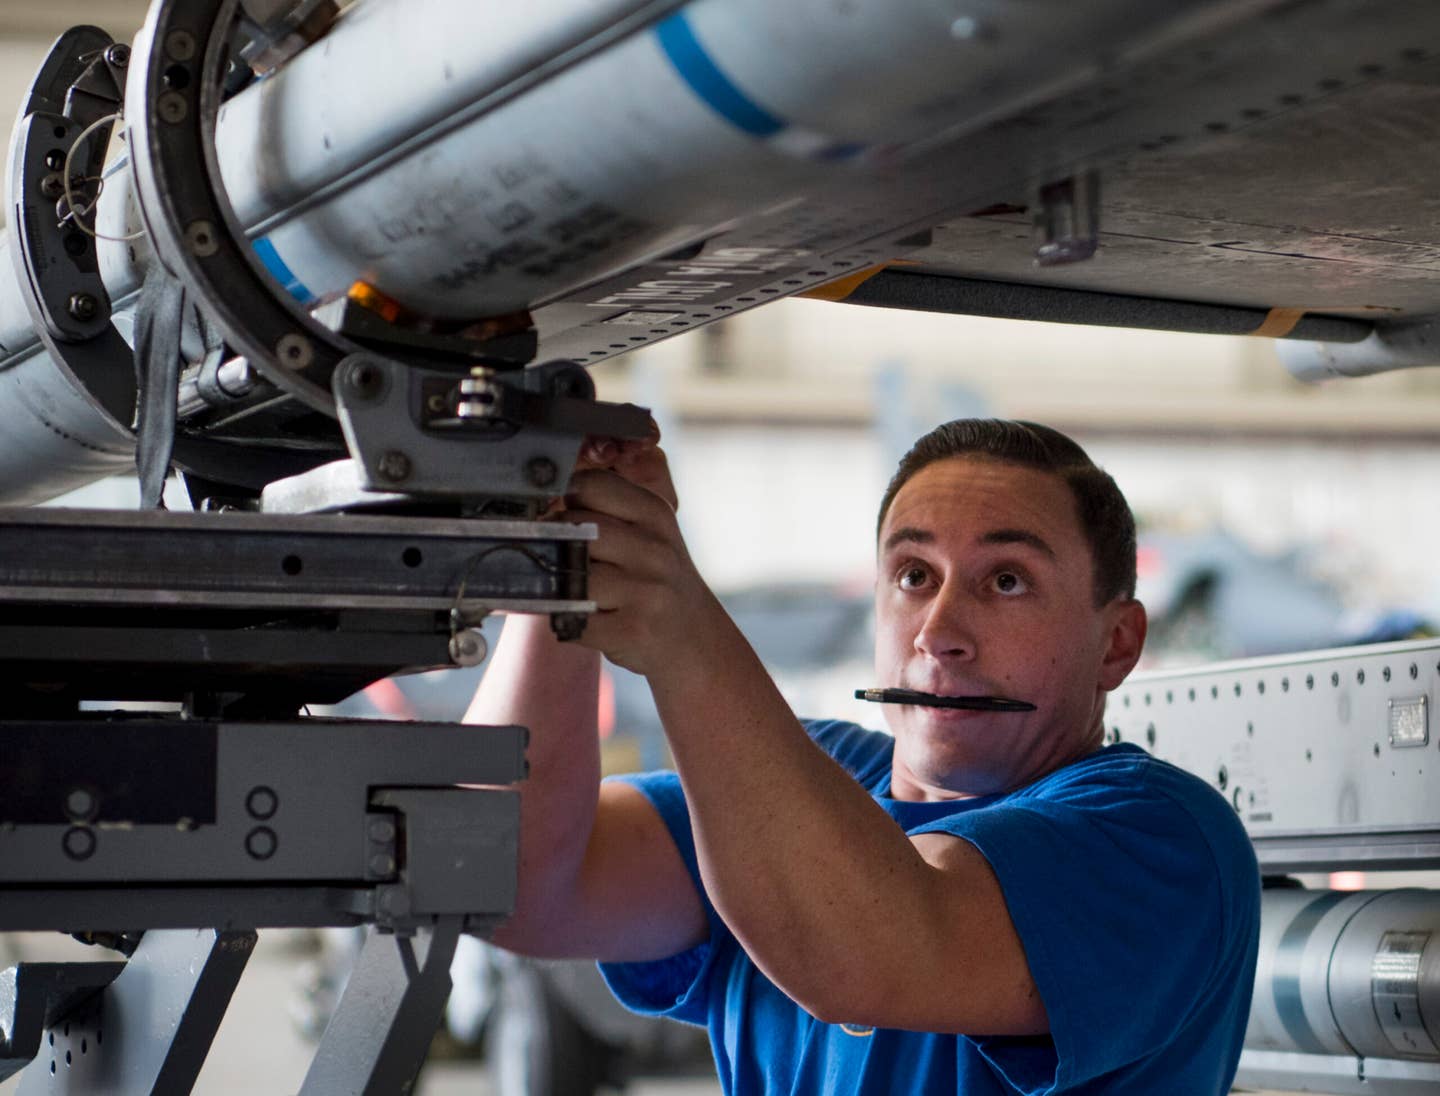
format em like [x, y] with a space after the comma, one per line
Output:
[567, 627]
[201, 239]
[382, 831]
[80, 805]
[392, 901]
[541, 472]
[53, 185]
[295, 352]
[967, 28]
[393, 466]
[83, 306]
[172, 108]
[118, 55]
[180, 45]
[365, 380]
[467, 648]
[382, 864]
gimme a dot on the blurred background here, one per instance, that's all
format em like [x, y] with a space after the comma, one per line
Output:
[1274, 517]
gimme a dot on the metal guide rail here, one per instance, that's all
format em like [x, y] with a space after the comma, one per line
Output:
[242, 560]
[1328, 757]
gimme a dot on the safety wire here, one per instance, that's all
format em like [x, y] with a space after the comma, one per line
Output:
[457, 616]
[78, 213]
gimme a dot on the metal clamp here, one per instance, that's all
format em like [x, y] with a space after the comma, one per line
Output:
[172, 103]
[79, 86]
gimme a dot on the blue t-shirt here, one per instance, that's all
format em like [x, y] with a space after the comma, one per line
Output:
[1134, 890]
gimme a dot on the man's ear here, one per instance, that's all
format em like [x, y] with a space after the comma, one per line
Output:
[1126, 624]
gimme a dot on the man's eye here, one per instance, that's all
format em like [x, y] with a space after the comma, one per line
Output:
[912, 578]
[1008, 582]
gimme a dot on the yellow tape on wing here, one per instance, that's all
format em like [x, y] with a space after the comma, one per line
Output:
[1279, 322]
[841, 288]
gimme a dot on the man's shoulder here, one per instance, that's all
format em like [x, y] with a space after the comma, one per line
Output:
[1123, 769]
[1124, 781]
[865, 754]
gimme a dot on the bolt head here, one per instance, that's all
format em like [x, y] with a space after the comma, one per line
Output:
[393, 901]
[393, 466]
[180, 45]
[295, 352]
[118, 55]
[172, 108]
[201, 239]
[967, 28]
[80, 805]
[83, 306]
[541, 472]
[365, 380]
[53, 185]
[467, 648]
[567, 627]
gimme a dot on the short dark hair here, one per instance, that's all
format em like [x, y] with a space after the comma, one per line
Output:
[1105, 517]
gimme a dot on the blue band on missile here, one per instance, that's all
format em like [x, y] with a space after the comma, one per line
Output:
[281, 272]
[1289, 954]
[677, 39]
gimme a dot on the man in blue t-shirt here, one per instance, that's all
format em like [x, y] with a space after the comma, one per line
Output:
[987, 902]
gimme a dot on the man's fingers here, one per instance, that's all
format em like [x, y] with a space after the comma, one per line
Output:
[598, 453]
[619, 541]
[611, 493]
[609, 585]
[639, 460]
[648, 467]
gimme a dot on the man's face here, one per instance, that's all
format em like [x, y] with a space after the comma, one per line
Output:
[985, 587]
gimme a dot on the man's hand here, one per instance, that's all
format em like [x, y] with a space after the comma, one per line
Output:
[653, 604]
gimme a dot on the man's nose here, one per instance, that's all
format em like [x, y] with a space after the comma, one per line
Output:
[947, 629]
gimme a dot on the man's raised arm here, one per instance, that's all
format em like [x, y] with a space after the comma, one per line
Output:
[599, 874]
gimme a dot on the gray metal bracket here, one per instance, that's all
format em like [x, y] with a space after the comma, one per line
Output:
[151, 1028]
[35, 996]
[80, 83]
[513, 433]
[389, 1013]
[455, 851]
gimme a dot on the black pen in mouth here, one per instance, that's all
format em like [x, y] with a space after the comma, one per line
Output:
[930, 700]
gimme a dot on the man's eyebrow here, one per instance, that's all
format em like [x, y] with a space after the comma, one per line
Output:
[1019, 536]
[908, 534]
